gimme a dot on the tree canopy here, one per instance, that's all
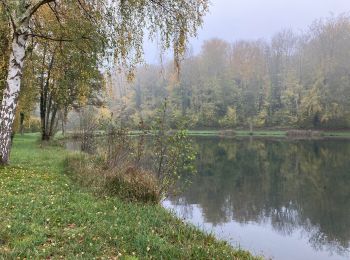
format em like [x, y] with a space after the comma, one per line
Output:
[293, 80]
[99, 31]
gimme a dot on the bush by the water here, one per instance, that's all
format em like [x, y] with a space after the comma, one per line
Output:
[125, 181]
[304, 134]
[134, 169]
[134, 184]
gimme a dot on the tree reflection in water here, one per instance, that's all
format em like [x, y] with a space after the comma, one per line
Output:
[293, 185]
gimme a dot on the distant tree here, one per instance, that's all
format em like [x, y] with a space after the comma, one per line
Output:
[293, 80]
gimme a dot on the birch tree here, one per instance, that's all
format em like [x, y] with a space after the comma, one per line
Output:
[4, 48]
[19, 13]
[123, 24]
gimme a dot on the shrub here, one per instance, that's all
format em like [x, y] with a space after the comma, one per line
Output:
[135, 169]
[133, 184]
[127, 182]
[304, 134]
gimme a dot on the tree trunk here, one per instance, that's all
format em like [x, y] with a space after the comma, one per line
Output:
[46, 99]
[53, 123]
[10, 94]
[63, 126]
[22, 123]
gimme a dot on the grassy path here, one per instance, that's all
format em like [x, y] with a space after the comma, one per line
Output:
[45, 215]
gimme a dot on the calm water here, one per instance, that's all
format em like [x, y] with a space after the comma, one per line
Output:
[283, 199]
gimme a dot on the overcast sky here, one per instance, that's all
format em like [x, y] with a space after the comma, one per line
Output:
[255, 19]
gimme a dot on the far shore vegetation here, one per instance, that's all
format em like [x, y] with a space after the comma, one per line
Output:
[240, 133]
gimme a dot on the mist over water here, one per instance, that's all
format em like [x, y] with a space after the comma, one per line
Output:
[233, 20]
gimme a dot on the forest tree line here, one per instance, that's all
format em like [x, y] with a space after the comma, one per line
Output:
[293, 80]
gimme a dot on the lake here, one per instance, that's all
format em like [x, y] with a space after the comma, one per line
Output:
[280, 198]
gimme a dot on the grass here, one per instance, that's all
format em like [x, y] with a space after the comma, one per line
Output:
[336, 134]
[44, 214]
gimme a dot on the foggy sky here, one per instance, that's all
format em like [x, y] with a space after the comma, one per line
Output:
[233, 20]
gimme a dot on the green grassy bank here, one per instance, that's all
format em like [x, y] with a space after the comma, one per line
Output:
[46, 215]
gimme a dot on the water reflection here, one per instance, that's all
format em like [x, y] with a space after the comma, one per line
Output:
[296, 190]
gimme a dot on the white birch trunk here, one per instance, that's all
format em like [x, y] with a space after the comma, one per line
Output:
[10, 95]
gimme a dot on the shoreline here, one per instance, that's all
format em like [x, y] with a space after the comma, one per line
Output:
[242, 133]
[45, 214]
[264, 133]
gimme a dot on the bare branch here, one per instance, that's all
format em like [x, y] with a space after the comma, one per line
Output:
[36, 6]
[86, 12]
[50, 38]
[31, 11]
[54, 11]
